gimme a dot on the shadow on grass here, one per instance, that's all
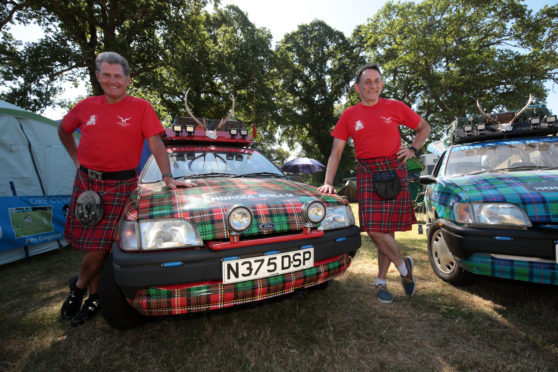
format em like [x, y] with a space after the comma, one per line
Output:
[492, 325]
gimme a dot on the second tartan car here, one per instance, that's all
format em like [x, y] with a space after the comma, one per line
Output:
[492, 200]
[244, 233]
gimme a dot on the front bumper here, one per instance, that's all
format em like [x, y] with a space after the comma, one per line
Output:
[534, 271]
[465, 241]
[134, 271]
[157, 301]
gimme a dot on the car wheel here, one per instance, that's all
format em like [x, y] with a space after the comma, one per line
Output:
[115, 309]
[442, 260]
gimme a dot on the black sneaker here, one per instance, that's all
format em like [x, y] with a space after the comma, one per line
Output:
[71, 306]
[90, 307]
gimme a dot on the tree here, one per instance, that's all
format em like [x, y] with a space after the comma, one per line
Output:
[75, 32]
[440, 56]
[315, 66]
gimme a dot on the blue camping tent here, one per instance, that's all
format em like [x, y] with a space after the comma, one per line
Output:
[35, 184]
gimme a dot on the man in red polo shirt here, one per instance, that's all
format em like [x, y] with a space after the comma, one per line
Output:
[373, 124]
[113, 129]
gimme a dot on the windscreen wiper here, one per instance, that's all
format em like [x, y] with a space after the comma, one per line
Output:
[210, 174]
[261, 174]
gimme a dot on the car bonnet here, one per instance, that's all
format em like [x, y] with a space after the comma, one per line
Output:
[535, 191]
[276, 204]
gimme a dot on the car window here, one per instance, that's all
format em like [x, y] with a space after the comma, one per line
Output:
[208, 163]
[525, 154]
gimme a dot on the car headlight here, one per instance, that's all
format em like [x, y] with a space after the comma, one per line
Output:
[337, 217]
[239, 218]
[159, 234]
[313, 212]
[492, 214]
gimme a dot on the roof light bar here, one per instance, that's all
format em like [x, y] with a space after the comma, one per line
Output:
[534, 121]
[190, 129]
[177, 128]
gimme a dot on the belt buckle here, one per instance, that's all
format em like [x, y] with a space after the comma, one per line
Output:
[94, 174]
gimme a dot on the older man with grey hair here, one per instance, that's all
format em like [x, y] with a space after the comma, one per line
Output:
[384, 202]
[113, 129]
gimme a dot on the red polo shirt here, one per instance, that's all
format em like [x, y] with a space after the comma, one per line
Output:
[112, 135]
[375, 129]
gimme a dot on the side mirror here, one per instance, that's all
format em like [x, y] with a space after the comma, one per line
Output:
[427, 179]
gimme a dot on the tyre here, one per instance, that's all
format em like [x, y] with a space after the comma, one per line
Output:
[443, 262]
[115, 309]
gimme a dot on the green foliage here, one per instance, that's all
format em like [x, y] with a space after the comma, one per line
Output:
[315, 66]
[440, 56]
[75, 32]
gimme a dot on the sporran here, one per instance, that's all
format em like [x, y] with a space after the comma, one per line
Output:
[387, 184]
[89, 208]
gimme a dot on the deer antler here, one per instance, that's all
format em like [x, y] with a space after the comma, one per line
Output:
[190, 112]
[231, 113]
[522, 110]
[488, 117]
[506, 127]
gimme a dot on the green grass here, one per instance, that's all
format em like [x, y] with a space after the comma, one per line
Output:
[490, 325]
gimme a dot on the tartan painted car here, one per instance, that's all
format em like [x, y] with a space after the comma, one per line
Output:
[492, 201]
[244, 233]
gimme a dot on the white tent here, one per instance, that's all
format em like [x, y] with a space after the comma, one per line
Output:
[35, 184]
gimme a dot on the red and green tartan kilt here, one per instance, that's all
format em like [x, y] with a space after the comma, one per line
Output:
[377, 214]
[114, 194]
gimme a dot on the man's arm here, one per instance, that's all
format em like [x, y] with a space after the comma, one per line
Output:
[69, 142]
[423, 131]
[162, 158]
[332, 164]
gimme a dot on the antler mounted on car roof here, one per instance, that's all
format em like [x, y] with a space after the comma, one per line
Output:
[201, 124]
[228, 117]
[506, 126]
[210, 133]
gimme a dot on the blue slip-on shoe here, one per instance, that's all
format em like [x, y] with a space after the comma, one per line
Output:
[408, 281]
[383, 295]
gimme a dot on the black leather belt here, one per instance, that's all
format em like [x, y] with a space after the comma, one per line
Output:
[98, 175]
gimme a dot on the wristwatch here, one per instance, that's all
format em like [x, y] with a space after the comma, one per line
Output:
[414, 149]
[167, 175]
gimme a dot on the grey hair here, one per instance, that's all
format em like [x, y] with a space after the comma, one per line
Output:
[112, 58]
[368, 66]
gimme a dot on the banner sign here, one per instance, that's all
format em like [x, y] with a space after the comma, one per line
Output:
[30, 220]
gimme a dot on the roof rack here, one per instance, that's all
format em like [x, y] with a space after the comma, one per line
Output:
[533, 120]
[186, 130]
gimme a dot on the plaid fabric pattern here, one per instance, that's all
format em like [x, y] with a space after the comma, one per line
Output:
[375, 213]
[536, 193]
[274, 201]
[528, 271]
[114, 194]
[158, 301]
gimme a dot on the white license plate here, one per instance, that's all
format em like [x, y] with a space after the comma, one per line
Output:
[242, 269]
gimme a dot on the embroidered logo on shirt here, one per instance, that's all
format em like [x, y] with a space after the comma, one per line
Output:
[386, 119]
[123, 121]
[91, 120]
[358, 125]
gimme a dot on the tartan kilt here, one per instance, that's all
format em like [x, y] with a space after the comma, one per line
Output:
[115, 194]
[377, 214]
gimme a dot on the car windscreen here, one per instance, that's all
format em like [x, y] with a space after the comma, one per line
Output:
[201, 163]
[503, 156]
